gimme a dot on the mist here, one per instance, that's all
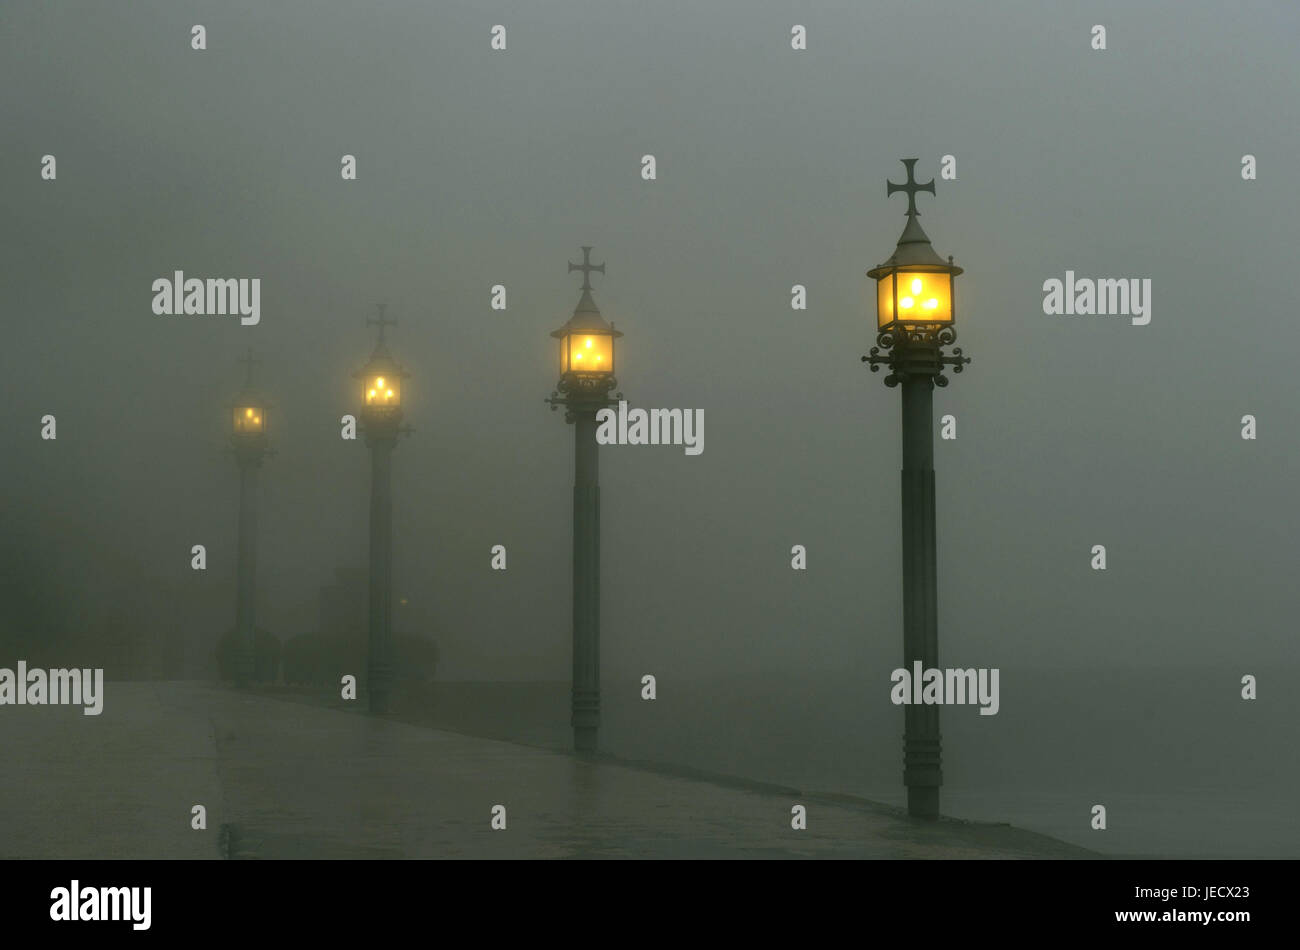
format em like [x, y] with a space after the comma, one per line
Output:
[477, 168]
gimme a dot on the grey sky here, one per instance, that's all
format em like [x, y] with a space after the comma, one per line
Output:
[477, 168]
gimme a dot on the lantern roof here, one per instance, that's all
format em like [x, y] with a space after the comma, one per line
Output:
[914, 248]
[586, 315]
[380, 358]
[249, 394]
[382, 361]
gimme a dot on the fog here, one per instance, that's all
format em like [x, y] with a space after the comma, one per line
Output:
[477, 168]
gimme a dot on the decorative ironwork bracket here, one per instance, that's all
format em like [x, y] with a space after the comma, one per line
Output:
[580, 395]
[379, 428]
[916, 354]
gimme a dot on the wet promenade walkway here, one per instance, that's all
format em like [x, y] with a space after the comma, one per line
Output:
[293, 780]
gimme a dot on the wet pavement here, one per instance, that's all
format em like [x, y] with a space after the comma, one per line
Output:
[290, 780]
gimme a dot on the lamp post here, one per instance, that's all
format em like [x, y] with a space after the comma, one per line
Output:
[381, 421]
[249, 440]
[915, 312]
[586, 378]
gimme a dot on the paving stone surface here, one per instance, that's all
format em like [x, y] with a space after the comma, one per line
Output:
[292, 780]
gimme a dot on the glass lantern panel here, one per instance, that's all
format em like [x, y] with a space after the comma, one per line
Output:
[588, 353]
[250, 419]
[924, 297]
[382, 389]
[885, 301]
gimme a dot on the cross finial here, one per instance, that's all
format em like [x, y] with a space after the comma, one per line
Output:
[911, 187]
[249, 362]
[586, 267]
[381, 321]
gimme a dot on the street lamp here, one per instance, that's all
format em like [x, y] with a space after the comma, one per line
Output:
[381, 421]
[586, 379]
[249, 441]
[915, 312]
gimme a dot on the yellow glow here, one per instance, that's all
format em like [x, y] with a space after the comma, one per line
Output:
[382, 391]
[931, 293]
[248, 419]
[589, 353]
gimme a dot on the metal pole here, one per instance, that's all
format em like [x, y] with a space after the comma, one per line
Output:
[586, 583]
[379, 673]
[921, 742]
[245, 614]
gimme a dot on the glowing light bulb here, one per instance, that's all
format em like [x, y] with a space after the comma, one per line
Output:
[390, 394]
[906, 303]
[916, 286]
[380, 382]
[577, 356]
[931, 304]
[248, 412]
[372, 394]
[588, 342]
